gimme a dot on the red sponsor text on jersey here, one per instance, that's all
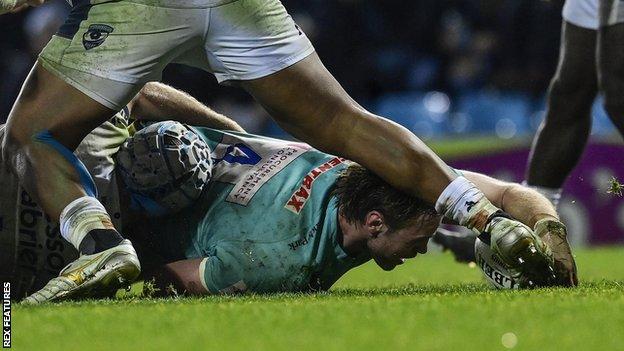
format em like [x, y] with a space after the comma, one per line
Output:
[299, 198]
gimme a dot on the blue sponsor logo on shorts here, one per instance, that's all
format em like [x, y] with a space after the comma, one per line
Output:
[95, 35]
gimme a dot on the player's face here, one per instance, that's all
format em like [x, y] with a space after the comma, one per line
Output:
[392, 247]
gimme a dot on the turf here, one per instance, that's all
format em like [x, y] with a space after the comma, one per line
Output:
[431, 303]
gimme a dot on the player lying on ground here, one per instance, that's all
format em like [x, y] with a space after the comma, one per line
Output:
[233, 160]
[281, 216]
[269, 216]
[107, 50]
[275, 215]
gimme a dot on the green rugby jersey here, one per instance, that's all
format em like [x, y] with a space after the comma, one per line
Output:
[266, 222]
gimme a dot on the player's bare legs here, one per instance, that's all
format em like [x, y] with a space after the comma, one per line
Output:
[611, 71]
[309, 103]
[46, 102]
[47, 122]
[563, 135]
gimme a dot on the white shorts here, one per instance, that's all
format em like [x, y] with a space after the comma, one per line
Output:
[109, 50]
[592, 14]
[581, 13]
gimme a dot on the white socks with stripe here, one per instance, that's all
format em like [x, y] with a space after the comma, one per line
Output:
[86, 225]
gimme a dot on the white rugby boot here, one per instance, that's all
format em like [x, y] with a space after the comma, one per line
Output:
[95, 275]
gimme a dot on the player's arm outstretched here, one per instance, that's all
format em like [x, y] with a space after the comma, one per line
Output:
[534, 210]
[184, 276]
[160, 102]
[308, 102]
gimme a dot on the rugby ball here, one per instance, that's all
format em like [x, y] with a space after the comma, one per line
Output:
[497, 274]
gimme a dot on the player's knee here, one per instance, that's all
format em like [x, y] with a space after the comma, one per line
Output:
[571, 92]
[611, 82]
[20, 146]
[13, 147]
[568, 102]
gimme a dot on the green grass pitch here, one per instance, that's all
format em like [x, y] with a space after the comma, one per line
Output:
[430, 303]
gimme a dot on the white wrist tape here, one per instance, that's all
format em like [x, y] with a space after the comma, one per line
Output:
[461, 201]
[80, 217]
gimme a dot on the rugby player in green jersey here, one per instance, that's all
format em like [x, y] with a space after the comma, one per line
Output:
[281, 216]
[107, 51]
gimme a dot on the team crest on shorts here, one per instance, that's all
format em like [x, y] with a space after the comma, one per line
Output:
[95, 35]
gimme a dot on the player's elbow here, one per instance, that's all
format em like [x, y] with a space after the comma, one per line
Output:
[145, 101]
[512, 194]
[507, 194]
[167, 282]
[13, 145]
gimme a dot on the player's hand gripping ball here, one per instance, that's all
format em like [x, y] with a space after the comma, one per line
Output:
[165, 166]
[515, 254]
[554, 234]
